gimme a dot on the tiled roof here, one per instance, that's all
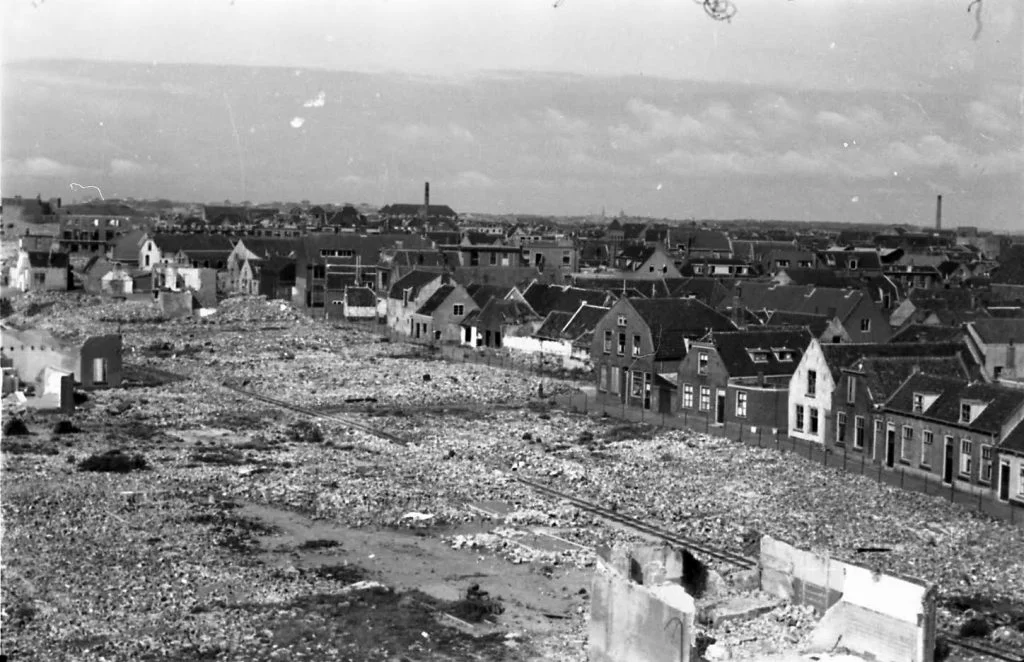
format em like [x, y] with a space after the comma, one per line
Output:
[708, 240]
[761, 295]
[545, 298]
[884, 375]
[267, 246]
[1001, 402]
[1015, 440]
[551, 328]
[672, 321]
[282, 266]
[413, 281]
[927, 333]
[435, 300]
[707, 290]
[844, 355]
[584, 321]
[999, 331]
[636, 253]
[817, 277]
[735, 347]
[866, 259]
[502, 312]
[481, 293]
[1011, 266]
[173, 243]
[956, 298]
[126, 249]
[816, 324]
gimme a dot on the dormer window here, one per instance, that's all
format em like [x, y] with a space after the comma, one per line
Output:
[922, 401]
[784, 355]
[853, 264]
[759, 356]
[621, 321]
[965, 412]
[918, 403]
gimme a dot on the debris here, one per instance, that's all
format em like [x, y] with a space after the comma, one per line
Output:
[113, 461]
[15, 427]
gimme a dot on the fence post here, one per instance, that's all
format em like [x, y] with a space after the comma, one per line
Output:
[862, 463]
[759, 437]
[903, 473]
[844, 459]
[741, 434]
[586, 403]
[952, 489]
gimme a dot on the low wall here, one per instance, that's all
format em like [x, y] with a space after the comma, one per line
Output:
[637, 611]
[864, 611]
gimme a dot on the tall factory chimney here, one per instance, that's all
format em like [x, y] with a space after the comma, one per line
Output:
[426, 195]
[938, 214]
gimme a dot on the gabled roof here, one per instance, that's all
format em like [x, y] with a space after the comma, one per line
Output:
[817, 277]
[481, 293]
[816, 324]
[551, 328]
[367, 247]
[672, 321]
[276, 265]
[173, 243]
[265, 247]
[211, 256]
[1011, 266]
[843, 355]
[442, 238]
[505, 312]
[360, 297]
[583, 322]
[545, 298]
[708, 240]
[483, 239]
[866, 259]
[799, 298]
[126, 248]
[1001, 402]
[636, 253]
[735, 348]
[47, 259]
[435, 300]
[883, 376]
[414, 281]
[999, 331]
[927, 333]
[708, 290]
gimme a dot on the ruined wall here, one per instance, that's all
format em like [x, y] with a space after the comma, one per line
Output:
[637, 611]
[867, 612]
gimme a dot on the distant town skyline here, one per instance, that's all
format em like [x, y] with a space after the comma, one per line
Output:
[807, 111]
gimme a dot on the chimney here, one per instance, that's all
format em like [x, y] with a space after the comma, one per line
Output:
[938, 213]
[426, 195]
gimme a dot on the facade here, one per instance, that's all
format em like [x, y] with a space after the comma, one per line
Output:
[440, 317]
[741, 376]
[497, 320]
[719, 267]
[95, 362]
[159, 248]
[647, 262]
[639, 343]
[406, 296]
[558, 258]
[41, 271]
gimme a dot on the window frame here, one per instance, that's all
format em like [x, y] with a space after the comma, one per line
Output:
[906, 440]
[607, 341]
[688, 396]
[741, 404]
[798, 418]
[703, 358]
[841, 423]
[704, 404]
[635, 349]
[459, 309]
[812, 383]
[859, 432]
[865, 325]
[620, 348]
[986, 467]
[812, 420]
[927, 444]
[636, 386]
[620, 320]
[851, 389]
[966, 456]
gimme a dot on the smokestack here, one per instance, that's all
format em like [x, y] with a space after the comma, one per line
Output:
[938, 213]
[426, 195]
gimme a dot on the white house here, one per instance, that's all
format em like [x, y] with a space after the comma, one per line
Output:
[810, 395]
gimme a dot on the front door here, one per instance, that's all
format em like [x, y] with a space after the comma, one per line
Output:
[890, 447]
[947, 462]
[1004, 481]
[720, 408]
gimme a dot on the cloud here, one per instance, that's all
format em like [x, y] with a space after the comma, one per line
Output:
[38, 166]
[318, 102]
[472, 179]
[297, 122]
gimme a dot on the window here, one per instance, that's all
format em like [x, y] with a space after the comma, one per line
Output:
[965, 412]
[784, 355]
[702, 363]
[879, 432]
[853, 264]
[607, 342]
[604, 378]
[966, 449]
[636, 384]
[1020, 481]
[997, 372]
[905, 443]
[841, 427]
[782, 263]
[927, 440]
[494, 258]
[865, 324]
[851, 389]
[688, 396]
[39, 278]
[705, 398]
[622, 344]
[621, 320]
[858, 432]
[814, 419]
[758, 356]
[918, 403]
[458, 309]
[741, 404]
[614, 380]
[636, 345]
[99, 371]
[799, 425]
[812, 382]
[986, 464]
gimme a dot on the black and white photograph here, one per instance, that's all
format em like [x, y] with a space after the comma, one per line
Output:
[512, 330]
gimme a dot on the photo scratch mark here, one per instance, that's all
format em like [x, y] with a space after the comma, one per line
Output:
[75, 186]
[238, 143]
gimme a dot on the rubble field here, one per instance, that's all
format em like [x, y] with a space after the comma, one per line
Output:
[225, 528]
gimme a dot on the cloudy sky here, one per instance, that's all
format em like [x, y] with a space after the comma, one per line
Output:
[833, 110]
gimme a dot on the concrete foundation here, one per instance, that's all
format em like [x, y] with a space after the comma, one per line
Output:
[639, 609]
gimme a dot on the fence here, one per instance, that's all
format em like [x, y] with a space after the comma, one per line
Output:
[841, 459]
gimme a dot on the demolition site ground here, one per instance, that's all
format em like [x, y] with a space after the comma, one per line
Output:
[176, 519]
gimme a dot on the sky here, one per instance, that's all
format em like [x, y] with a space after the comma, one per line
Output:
[827, 110]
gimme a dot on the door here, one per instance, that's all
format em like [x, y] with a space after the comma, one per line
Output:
[890, 446]
[1004, 481]
[720, 407]
[947, 462]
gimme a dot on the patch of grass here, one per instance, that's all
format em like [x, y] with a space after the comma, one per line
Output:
[114, 461]
[15, 447]
[306, 432]
[15, 427]
[628, 431]
[219, 456]
[975, 627]
[343, 574]
[65, 427]
[318, 543]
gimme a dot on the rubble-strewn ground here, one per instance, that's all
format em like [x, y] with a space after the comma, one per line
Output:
[244, 537]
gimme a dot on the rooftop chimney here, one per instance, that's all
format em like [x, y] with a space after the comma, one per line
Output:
[938, 213]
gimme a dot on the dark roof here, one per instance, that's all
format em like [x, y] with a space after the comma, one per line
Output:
[583, 322]
[47, 260]
[218, 214]
[817, 277]
[735, 347]
[481, 293]
[435, 300]
[413, 281]
[636, 253]
[172, 243]
[483, 238]
[402, 209]
[503, 312]
[799, 298]
[367, 247]
[545, 298]
[126, 248]
[267, 246]
[843, 355]
[927, 333]
[884, 375]
[360, 297]
[1001, 402]
[672, 321]
[1015, 440]
[708, 290]
[866, 259]
[708, 240]
[441, 238]
[211, 256]
[1011, 266]
[816, 324]
[551, 328]
[633, 230]
[277, 265]
[628, 286]
[955, 298]
[999, 331]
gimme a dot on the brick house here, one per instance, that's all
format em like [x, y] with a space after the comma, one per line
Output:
[441, 315]
[741, 376]
[954, 430]
[639, 343]
[815, 398]
[406, 296]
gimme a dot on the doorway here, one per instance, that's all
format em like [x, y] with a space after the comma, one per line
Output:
[890, 446]
[1004, 481]
[720, 407]
[947, 462]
